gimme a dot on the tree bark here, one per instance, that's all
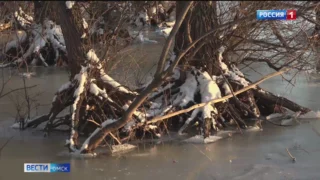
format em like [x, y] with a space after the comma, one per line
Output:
[201, 19]
[38, 11]
[71, 24]
[317, 32]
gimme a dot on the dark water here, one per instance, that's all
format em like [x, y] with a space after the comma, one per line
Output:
[253, 155]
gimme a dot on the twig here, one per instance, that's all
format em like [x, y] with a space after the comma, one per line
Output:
[114, 137]
[292, 157]
[4, 145]
[202, 152]
[317, 132]
[156, 119]
[1, 96]
[94, 122]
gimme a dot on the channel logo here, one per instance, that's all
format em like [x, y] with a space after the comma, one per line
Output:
[46, 167]
[276, 15]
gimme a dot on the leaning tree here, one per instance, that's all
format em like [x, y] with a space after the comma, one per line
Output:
[198, 82]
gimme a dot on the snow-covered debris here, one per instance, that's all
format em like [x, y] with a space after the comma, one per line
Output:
[24, 19]
[234, 26]
[86, 143]
[27, 17]
[40, 36]
[209, 90]
[19, 38]
[152, 127]
[144, 16]
[223, 66]
[188, 90]
[84, 24]
[275, 115]
[65, 86]
[27, 74]
[170, 24]
[95, 90]
[81, 79]
[17, 125]
[92, 56]
[164, 31]
[122, 148]
[234, 74]
[170, 61]
[146, 40]
[128, 126]
[107, 79]
[70, 4]
[226, 88]
[141, 116]
[201, 140]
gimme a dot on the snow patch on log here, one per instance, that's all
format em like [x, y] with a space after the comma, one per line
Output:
[152, 127]
[65, 86]
[92, 56]
[82, 79]
[70, 4]
[275, 115]
[103, 125]
[95, 90]
[128, 127]
[188, 90]
[209, 90]
[24, 19]
[235, 74]
[17, 125]
[109, 80]
[165, 31]
[22, 37]
[141, 116]
[226, 88]
[84, 24]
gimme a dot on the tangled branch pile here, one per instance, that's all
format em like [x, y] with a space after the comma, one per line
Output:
[102, 107]
[40, 44]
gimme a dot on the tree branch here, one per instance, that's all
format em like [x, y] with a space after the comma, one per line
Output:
[171, 38]
[98, 137]
[1, 96]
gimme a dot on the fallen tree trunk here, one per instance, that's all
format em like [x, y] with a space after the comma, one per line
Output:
[270, 98]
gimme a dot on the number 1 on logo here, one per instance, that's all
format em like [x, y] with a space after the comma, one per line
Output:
[291, 15]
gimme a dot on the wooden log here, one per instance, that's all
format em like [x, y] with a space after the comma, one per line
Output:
[269, 98]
